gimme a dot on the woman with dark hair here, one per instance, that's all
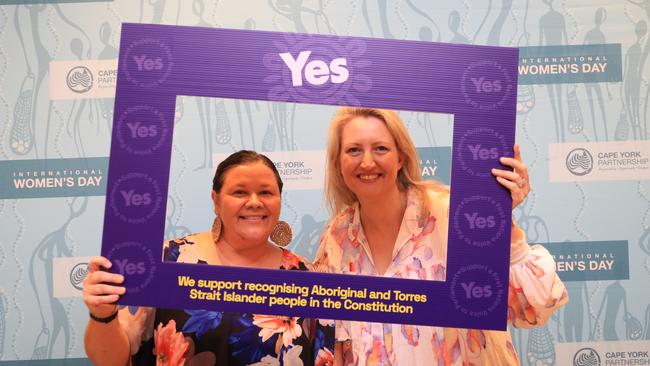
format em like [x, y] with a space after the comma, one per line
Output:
[246, 193]
[389, 222]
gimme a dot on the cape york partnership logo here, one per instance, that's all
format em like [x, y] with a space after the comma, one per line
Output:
[53, 177]
[86, 79]
[79, 79]
[68, 274]
[78, 274]
[599, 161]
[570, 64]
[591, 260]
[579, 161]
[586, 357]
[614, 353]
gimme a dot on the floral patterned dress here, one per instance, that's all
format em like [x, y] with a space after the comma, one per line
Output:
[420, 252]
[222, 338]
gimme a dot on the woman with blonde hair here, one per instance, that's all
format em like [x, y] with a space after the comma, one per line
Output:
[389, 222]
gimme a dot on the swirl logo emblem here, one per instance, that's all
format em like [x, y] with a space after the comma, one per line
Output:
[586, 357]
[579, 162]
[78, 274]
[79, 79]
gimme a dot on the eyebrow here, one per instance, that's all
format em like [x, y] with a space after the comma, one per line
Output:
[241, 185]
[381, 142]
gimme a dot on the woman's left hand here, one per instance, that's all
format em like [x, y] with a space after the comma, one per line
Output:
[516, 181]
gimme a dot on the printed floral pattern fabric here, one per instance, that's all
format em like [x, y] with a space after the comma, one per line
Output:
[221, 338]
[420, 253]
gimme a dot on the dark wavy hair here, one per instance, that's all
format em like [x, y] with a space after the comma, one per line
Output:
[242, 157]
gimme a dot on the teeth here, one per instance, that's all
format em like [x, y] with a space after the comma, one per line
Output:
[368, 176]
[253, 218]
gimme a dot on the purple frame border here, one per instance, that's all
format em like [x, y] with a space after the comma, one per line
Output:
[477, 84]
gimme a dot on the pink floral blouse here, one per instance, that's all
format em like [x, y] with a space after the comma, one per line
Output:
[420, 252]
[205, 337]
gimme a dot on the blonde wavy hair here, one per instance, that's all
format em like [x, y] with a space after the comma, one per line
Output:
[337, 194]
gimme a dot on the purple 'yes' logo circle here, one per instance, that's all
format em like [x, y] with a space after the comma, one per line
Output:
[480, 221]
[135, 198]
[147, 62]
[141, 130]
[136, 262]
[485, 85]
[476, 290]
[479, 146]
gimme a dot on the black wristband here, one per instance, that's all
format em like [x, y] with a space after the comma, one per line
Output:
[105, 320]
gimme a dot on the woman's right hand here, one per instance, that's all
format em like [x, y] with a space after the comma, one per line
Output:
[101, 288]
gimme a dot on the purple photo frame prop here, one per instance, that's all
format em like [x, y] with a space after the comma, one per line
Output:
[477, 84]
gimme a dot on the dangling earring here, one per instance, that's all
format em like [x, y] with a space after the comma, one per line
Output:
[216, 229]
[282, 234]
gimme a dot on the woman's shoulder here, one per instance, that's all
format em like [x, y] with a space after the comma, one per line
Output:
[294, 262]
[192, 238]
[343, 218]
[436, 189]
[187, 245]
[437, 193]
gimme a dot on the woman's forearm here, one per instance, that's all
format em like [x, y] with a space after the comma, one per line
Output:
[106, 344]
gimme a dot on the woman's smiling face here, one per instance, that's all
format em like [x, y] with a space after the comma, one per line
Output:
[248, 204]
[369, 158]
